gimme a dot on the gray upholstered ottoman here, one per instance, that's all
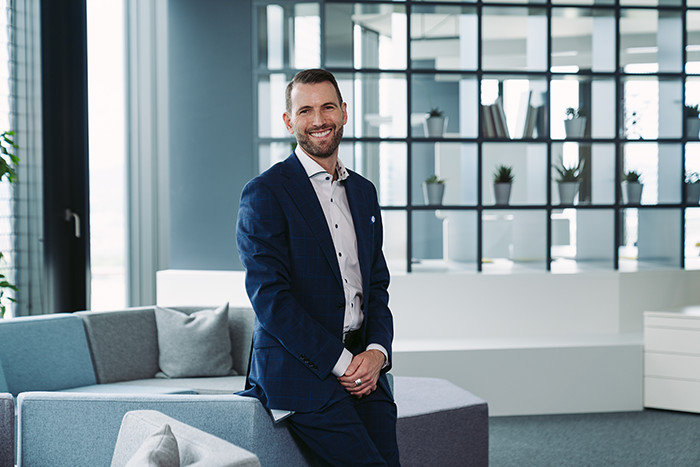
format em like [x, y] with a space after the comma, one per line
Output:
[440, 423]
[7, 429]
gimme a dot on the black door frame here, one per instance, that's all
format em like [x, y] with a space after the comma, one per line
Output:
[65, 161]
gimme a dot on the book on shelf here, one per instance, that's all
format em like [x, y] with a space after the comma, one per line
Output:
[494, 120]
[487, 124]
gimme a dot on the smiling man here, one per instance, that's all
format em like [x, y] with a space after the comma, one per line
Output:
[310, 237]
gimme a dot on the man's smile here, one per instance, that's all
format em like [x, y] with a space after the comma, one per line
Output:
[320, 133]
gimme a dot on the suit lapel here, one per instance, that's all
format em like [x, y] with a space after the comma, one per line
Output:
[303, 195]
[363, 225]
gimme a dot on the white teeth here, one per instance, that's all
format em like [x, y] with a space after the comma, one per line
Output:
[321, 134]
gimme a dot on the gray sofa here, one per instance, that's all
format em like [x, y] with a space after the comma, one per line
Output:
[76, 375]
[7, 430]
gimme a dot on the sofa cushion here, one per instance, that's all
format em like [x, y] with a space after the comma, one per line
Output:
[196, 344]
[124, 343]
[45, 353]
[159, 450]
[204, 385]
[7, 429]
[197, 448]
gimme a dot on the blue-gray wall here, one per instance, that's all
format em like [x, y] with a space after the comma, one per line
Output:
[211, 128]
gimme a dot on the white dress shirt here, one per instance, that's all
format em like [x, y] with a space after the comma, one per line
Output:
[334, 202]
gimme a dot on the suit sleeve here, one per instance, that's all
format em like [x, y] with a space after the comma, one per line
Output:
[380, 323]
[263, 244]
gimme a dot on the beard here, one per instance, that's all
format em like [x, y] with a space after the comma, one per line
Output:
[320, 150]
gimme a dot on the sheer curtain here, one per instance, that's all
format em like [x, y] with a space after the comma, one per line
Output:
[25, 78]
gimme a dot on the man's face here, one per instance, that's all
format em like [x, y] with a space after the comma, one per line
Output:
[316, 118]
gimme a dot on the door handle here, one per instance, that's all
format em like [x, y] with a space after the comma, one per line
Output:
[72, 216]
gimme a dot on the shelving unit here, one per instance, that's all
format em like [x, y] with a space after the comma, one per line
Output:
[630, 64]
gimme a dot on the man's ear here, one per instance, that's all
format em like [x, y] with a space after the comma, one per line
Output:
[288, 122]
[344, 106]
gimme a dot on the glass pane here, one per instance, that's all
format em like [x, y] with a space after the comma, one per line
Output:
[455, 163]
[650, 41]
[514, 240]
[444, 37]
[289, 36]
[271, 105]
[582, 239]
[376, 104]
[272, 153]
[514, 38]
[382, 163]
[652, 108]
[692, 238]
[692, 173]
[693, 39]
[529, 168]
[444, 241]
[593, 102]
[650, 2]
[692, 99]
[365, 36]
[650, 239]
[513, 108]
[395, 243]
[454, 96]
[583, 2]
[597, 163]
[659, 166]
[583, 39]
[107, 149]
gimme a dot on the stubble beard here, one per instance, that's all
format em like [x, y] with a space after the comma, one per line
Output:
[320, 150]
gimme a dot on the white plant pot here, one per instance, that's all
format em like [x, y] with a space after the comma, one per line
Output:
[575, 128]
[433, 193]
[692, 193]
[435, 126]
[633, 192]
[501, 193]
[567, 192]
[692, 127]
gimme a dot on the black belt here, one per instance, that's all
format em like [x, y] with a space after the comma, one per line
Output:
[351, 338]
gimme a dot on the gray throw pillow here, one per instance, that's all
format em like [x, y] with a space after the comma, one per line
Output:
[196, 344]
[159, 450]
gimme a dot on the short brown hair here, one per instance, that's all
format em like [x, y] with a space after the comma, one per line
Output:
[311, 76]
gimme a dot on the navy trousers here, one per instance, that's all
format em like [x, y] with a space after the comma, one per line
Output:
[351, 431]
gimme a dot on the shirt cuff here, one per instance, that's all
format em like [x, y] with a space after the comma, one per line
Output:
[382, 350]
[342, 364]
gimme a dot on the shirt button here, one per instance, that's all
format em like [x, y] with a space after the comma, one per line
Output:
[340, 254]
[331, 200]
[328, 178]
[336, 226]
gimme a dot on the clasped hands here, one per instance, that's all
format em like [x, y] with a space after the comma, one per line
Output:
[365, 367]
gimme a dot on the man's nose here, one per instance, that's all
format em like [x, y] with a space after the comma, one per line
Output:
[317, 118]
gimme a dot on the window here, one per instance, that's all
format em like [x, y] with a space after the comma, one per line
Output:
[531, 85]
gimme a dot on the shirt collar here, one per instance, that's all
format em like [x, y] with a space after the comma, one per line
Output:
[313, 168]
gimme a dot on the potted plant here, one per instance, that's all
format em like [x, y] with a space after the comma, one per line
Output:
[692, 187]
[633, 186]
[692, 122]
[433, 190]
[8, 162]
[502, 182]
[575, 122]
[568, 181]
[435, 122]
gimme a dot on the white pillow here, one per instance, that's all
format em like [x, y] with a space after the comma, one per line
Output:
[196, 344]
[159, 450]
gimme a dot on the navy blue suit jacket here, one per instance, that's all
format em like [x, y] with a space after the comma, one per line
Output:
[294, 283]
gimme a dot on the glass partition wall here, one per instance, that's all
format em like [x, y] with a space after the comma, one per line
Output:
[562, 134]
